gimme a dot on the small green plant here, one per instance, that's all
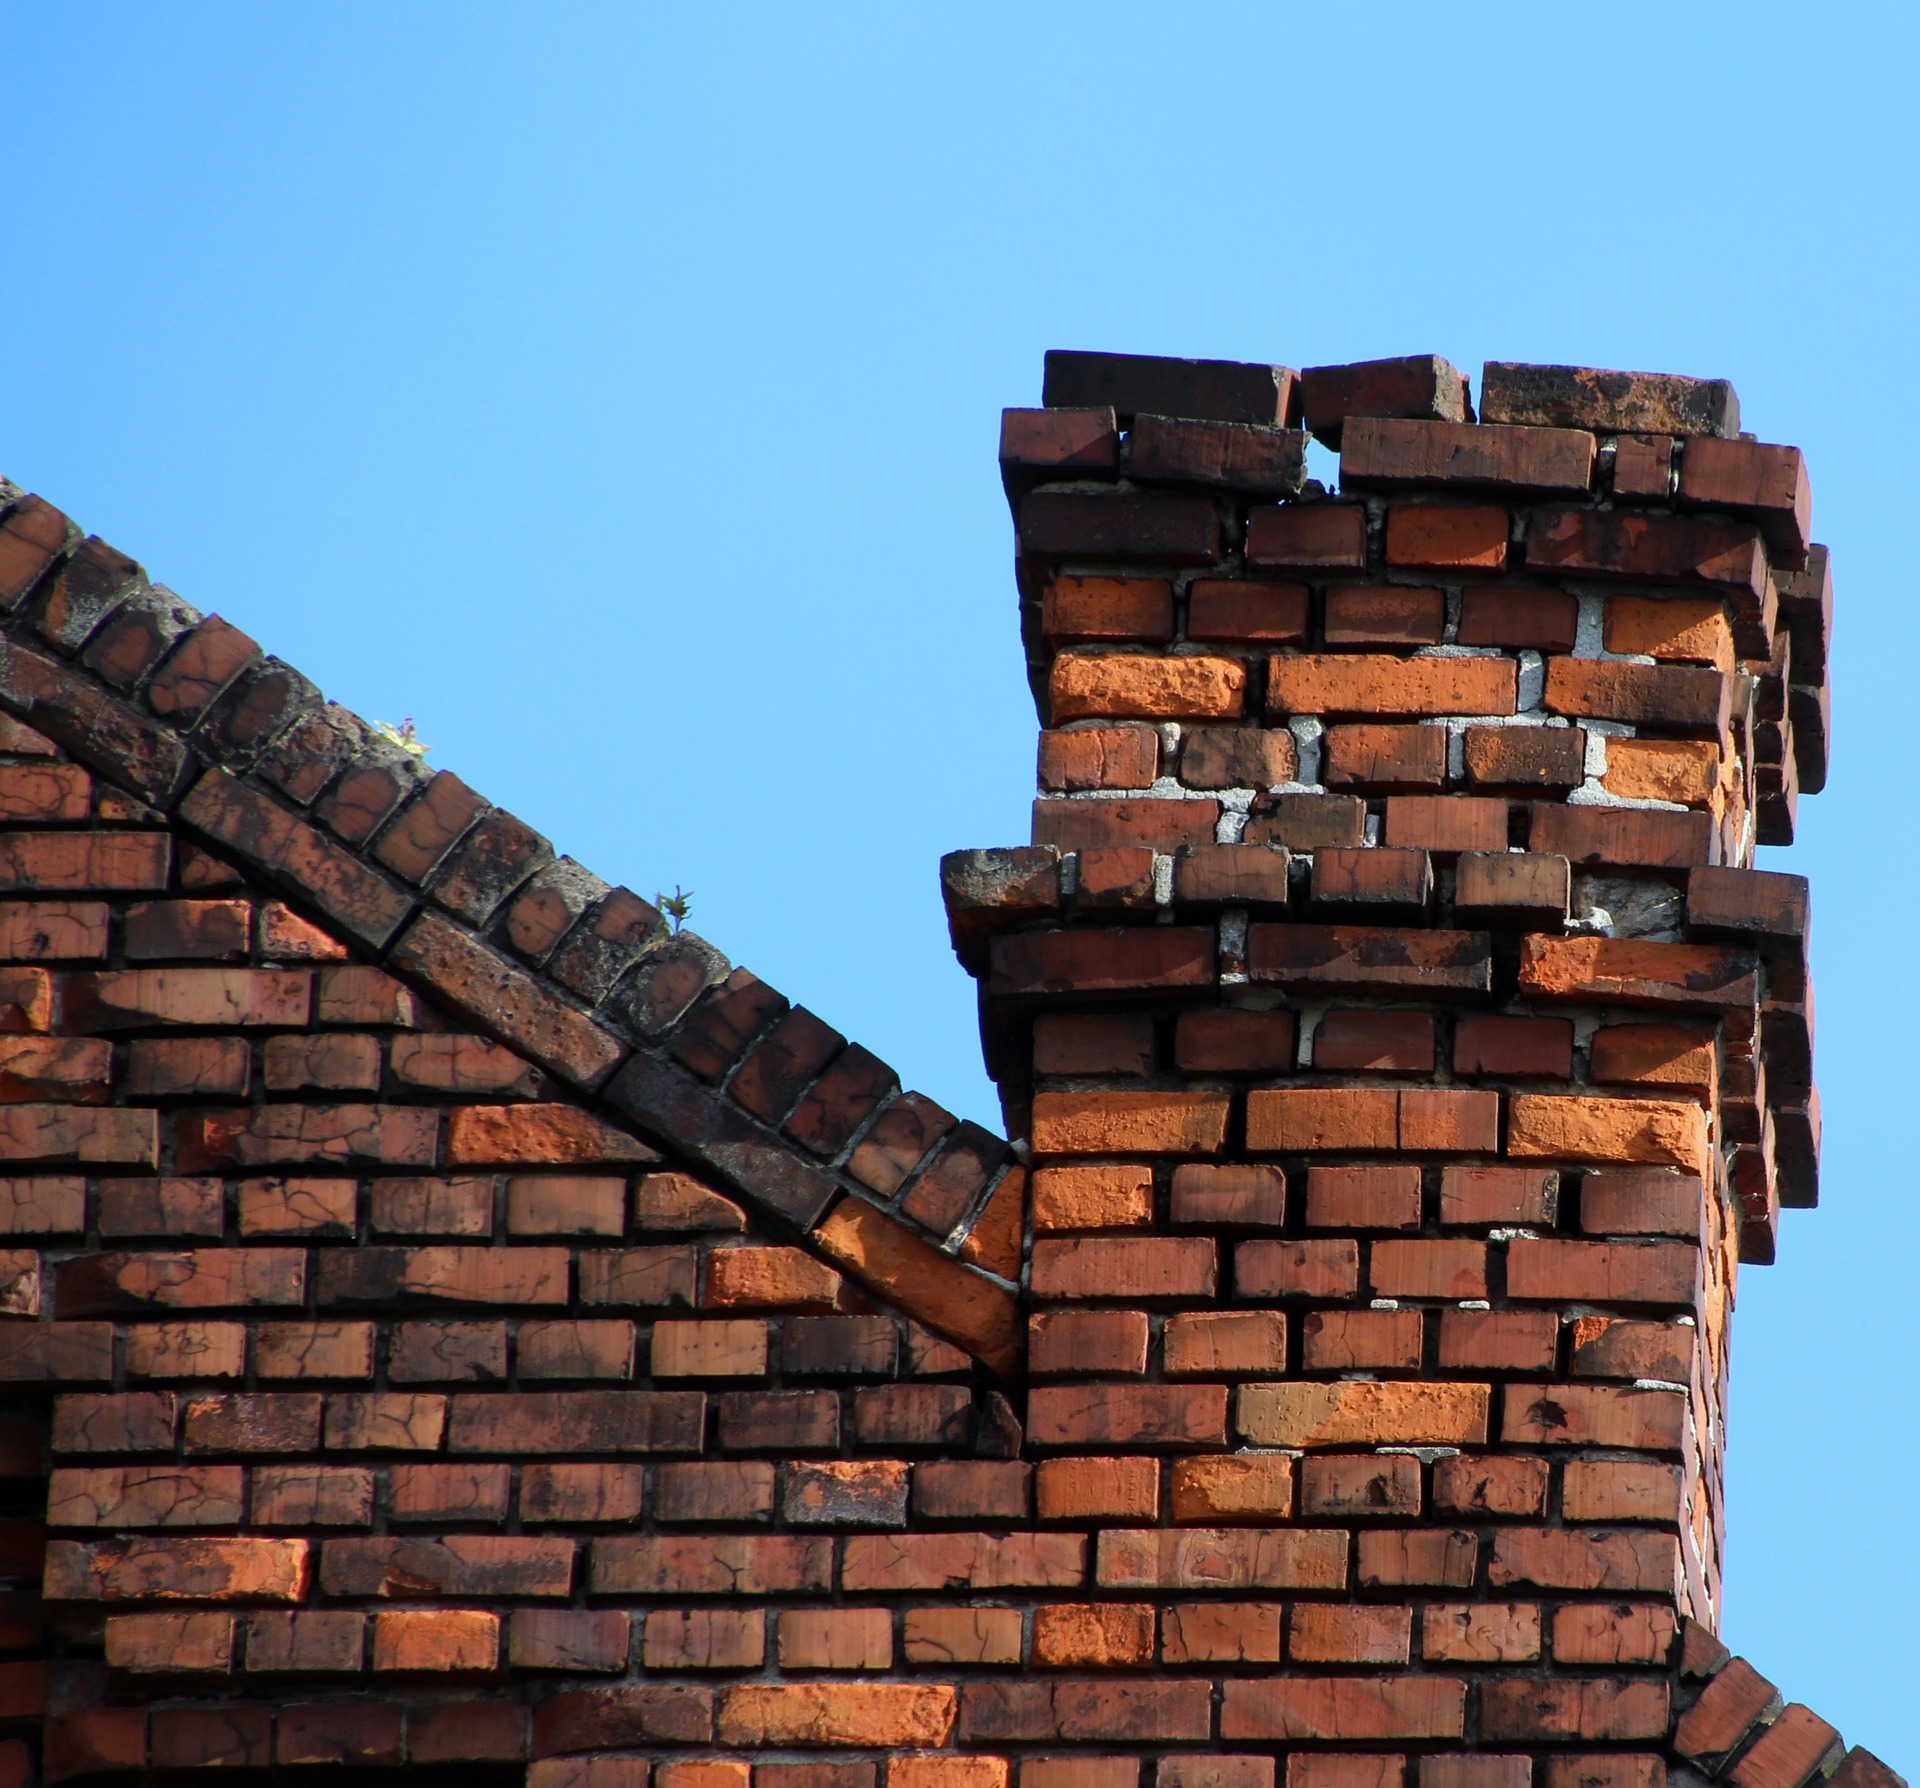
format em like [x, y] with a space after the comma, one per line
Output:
[676, 906]
[404, 736]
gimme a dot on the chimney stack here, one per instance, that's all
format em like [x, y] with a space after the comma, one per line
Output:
[1408, 1051]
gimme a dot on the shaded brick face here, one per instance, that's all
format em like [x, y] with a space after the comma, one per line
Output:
[458, 1324]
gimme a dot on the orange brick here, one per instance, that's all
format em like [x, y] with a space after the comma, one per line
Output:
[201, 1643]
[835, 1639]
[1233, 1487]
[705, 1639]
[1429, 1269]
[435, 1639]
[1231, 1343]
[1297, 1120]
[725, 1349]
[1107, 608]
[1372, 1414]
[1123, 1489]
[1117, 686]
[964, 1635]
[1620, 1490]
[1678, 1055]
[1093, 1635]
[1613, 1633]
[1174, 1123]
[1688, 629]
[1444, 534]
[1366, 684]
[1480, 1633]
[770, 1279]
[1322, 1634]
[1103, 1197]
[1683, 770]
[1098, 757]
[1343, 1340]
[1124, 1267]
[1221, 1633]
[1570, 1128]
[916, 1716]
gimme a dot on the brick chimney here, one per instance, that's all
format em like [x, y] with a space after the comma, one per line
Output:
[1408, 1052]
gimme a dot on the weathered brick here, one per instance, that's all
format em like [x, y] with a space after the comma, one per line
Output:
[1365, 684]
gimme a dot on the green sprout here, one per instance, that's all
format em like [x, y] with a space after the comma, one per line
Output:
[675, 905]
[404, 736]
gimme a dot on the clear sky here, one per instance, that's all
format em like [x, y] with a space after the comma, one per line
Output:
[614, 390]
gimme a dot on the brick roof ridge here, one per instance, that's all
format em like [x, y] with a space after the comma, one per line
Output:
[650, 1025]
[1730, 1723]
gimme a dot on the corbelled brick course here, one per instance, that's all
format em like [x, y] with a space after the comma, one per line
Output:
[462, 1326]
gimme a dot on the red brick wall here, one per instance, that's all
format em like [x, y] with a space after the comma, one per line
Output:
[458, 1325]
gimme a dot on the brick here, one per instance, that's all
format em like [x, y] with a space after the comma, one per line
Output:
[1517, 1195]
[1319, 1269]
[1354, 1635]
[1445, 823]
[255, 828]
[1363, 683]
[972, 1490]
[704, 1639]
[1092, 1043]
[605, 1719]
[1254, 611]
[723, 1349]
[1447, 535]
[1768, 482]
[1606, 1348]
[1084, 1489]
[1303, 534]
[1093, 1635]
[1363, 1197]
[198, 1643]
[1511, 888]
[1236, 1343]
[1362, 1484]
[1123, 524]
[1107, 608]
[1220, 1632]
[1243, 1197]
[457, 1565]
[186, 1350]
[934, 1561]
[676, 1203]
[1239, 456]
[33, 533]
[1525, 757]
[46, 1067]
[1655, 1055]
[966, 1635]
[1341, 1340]
[60, 1352]
[392, 1421]
[1237, 757]
[1413, 385]
[1398, 452]
[1365, 1708]
[1141, 824]
[560, 1422]
[1306, 822]
[1384, 758]
[836, 1639]
[1498, 1341]
[1685, 697]
[1491, 1485]
[1336, 957]
[1241, 1487]
[570, 1639]
[500, 998]
[566, 1204]
[1087, 437]
[198, 1278]
[119, 1422]
[1615, 1633]
[1126, 1710]
[53, 930]
[1217, 390]
[770, 1421]
[1686, 629]
[1526, 1710]
[1561, 1558]
[1433, 1119]
[1071, 1342]
[1124, 1267]
[1099, 757]
[1389, 1557]
[168, 1568]
[1127, 1122]
[1513, 1048]
[1385, 615]
[1109, 686]
[1609, 402]
[1640, 1202]
[1638, 837]
[1427, 1268]
[917, 1715]
[357, 995]
[840, 1346]
[1602, 1272]
[466, 1732]
[1372, 884]
[320, 1642]
[462, 1492]
[1499, 615]
[123, 1496]
[1682, 770]
[538, 1136]
[1374, 1042]
[1657, 1132]
[307, 1135]
[439, 1639]
[494, 859]
[457, 1064]
[1332, 1415]
[1171, 1415]
[187, 1067]
[1234, 1042]
[602, 1492]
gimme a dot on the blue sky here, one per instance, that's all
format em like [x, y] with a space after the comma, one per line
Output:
[614, 390]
